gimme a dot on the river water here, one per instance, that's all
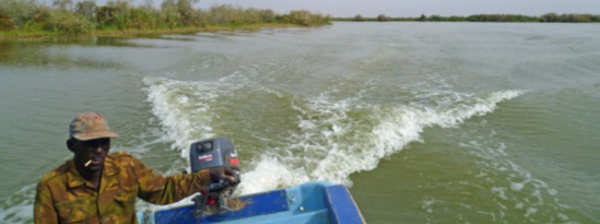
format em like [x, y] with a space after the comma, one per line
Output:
[424, 122]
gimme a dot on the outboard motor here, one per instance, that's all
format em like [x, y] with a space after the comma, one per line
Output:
[206, 154]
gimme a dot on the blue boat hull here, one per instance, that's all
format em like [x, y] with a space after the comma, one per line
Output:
[313, 202]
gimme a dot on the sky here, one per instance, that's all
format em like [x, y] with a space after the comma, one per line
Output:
[411, 8]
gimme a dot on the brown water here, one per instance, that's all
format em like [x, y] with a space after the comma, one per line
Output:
[425, 122]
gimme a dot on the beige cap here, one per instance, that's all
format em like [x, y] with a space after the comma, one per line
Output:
[90, 125]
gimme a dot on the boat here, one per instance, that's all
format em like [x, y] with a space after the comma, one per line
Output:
[313, 202]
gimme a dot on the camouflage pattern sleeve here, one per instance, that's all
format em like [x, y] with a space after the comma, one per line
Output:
[43, 208]
[162, 190]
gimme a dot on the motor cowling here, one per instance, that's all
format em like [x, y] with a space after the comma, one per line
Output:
[206, 154]
[211, 153]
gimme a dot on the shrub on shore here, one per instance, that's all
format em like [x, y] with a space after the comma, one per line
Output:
[6, 22]
[86, 16]
[67, 22]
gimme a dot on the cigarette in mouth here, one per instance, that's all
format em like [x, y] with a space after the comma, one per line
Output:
[87, 163]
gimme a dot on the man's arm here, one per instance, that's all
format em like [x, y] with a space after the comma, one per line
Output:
[162, 190]
[43, 208]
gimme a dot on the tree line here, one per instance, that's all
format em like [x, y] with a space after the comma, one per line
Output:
[546, 18]
[84, 16]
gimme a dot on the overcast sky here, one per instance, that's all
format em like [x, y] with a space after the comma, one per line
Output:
[412, 8]
[399, 8]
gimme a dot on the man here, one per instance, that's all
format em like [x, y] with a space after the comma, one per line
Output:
[97, 187]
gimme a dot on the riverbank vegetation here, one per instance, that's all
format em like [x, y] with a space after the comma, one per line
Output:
[28, 18]
[546, 18]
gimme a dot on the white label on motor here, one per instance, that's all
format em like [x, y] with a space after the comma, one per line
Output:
[204, 158]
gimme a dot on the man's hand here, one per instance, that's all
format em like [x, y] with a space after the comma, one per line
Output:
[230, 174]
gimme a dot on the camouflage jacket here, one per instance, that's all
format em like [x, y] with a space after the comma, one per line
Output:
[63, 196]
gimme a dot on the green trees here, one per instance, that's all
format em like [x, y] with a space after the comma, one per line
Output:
[501, 18]
[359, 18]
[267, 16]
[84, 16]
[383, 18]
[6, 22]
[87, 9]
[63, 4]
[68, 22]
[18, 12]
[305, 18]
[549, 18]
[569, 18]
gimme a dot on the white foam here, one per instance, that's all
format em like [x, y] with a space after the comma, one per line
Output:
[530, 211]
[19, 213]
[519, 205]
[330, 145]
[562, 217]
[529, 194]
[269, 174]
[181, 109]
[397, 127]
[517, 186]
[428, 202]
[500, 192]
[18, 208]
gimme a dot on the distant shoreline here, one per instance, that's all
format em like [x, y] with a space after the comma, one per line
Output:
[546, 18]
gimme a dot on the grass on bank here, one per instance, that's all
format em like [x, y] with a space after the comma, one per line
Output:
[28, 19]
[36, 35]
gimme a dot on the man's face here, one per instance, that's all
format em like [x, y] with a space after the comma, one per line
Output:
[94, 150]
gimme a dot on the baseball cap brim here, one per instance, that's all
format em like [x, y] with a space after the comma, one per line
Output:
[95, 135]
